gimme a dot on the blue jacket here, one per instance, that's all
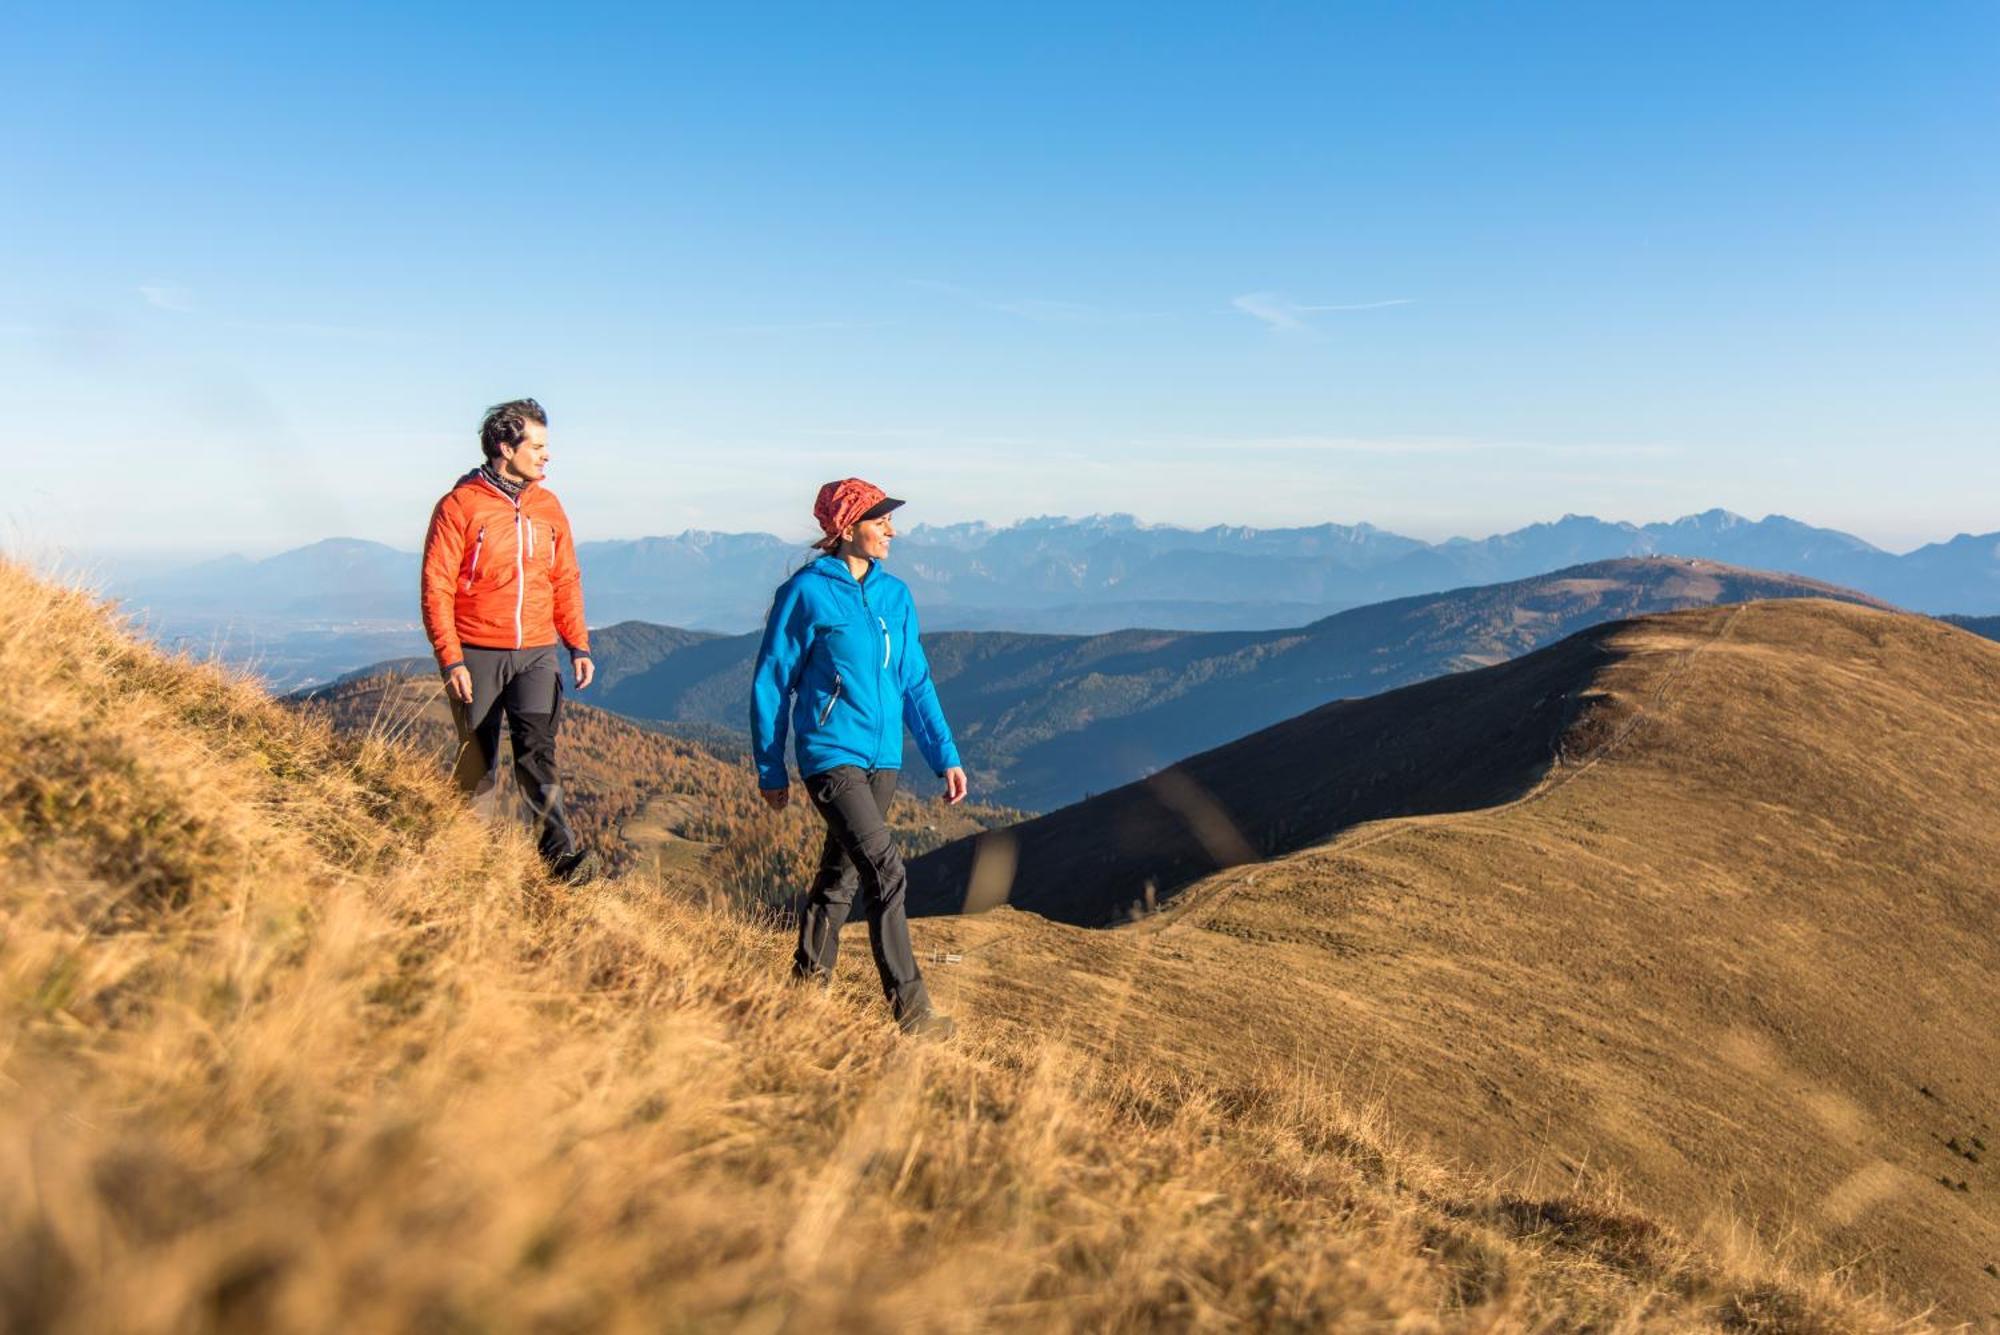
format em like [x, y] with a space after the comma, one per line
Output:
[845, 654]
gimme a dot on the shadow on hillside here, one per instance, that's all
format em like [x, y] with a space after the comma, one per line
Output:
[1458, 743]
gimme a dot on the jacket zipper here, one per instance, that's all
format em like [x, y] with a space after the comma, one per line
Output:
[881, 740]
[831, 700]
[477, 543]
[520, 575]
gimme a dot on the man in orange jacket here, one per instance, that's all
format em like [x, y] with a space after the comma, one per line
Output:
[500, 586]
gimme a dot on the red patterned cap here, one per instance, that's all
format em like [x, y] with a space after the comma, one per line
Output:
[848, 501]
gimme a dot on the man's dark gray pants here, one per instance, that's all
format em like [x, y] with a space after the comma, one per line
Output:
[859, 854]
[524, 686]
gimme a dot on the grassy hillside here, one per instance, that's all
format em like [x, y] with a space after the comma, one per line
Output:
[1702, 902]
[646, 800]
[290, 1042]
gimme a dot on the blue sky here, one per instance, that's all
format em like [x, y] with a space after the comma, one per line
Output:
[1445, 268]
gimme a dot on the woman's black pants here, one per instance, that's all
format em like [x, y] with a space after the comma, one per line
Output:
[859, 854]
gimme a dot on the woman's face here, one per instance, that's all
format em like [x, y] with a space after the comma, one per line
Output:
[870, 538]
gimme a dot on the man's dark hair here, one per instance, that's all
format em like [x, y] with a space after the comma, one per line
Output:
[507, 424]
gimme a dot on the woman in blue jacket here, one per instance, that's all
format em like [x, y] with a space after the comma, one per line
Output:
[842, 665]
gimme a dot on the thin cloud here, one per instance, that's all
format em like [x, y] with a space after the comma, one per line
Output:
[167, 296]
[1405, 447]
[1288, 317]
[1360, 305]
[806, 327]
[314, 329]
[1119, 449]
[1050, 312]
[1041, 310]
[928, 438]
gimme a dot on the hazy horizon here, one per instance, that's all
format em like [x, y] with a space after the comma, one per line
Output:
[109, 554]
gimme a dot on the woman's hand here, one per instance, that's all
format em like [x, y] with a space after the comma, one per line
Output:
[775, 798]
[954, 786]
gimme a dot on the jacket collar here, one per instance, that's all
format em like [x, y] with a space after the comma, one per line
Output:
[835, 569]
[482, 479]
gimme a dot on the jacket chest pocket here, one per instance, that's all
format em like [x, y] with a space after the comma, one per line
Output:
[832, 698]
[539, 540]
[503, 546]
[470, 575]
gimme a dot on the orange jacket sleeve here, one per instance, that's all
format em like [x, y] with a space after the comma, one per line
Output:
[444, 550]
[568, 581]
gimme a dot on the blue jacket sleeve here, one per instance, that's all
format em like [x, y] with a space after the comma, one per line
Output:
[921, 710]
[787, 635]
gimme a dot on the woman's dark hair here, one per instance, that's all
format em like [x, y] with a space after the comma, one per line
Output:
[507, 424]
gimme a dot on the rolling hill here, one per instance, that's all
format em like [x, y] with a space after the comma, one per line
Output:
[291, 1042]
[1044, 720]
[1702, 903]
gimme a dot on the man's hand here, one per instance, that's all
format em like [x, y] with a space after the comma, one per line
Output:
[586, 671]
[954, 786]
[775, 798]
[458, 684]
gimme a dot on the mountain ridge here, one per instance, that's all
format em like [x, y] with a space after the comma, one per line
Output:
[1097, 568]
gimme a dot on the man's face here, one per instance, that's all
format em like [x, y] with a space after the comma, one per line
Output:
[528, 461]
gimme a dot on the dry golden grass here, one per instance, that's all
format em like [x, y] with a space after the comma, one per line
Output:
[647, 801]
[1735, 951]
[289, 1042]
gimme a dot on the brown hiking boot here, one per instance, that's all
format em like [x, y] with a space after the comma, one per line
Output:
[916, 1016]
[928, 1023]
[578, 868]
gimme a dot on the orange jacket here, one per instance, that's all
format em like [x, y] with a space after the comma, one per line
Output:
[500, 574]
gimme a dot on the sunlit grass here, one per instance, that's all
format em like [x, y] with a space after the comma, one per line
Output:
[288, 1041]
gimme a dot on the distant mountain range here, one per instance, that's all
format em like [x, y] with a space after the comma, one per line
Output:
[1047, 719]
[1077, 576]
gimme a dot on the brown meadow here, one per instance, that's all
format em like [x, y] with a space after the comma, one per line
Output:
[289, 1042]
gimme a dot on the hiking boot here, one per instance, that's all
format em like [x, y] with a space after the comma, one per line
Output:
[915, 1014]
[578, 868]
[927, 1023]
